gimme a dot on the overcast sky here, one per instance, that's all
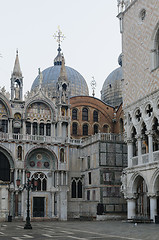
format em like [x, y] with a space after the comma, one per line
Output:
[92, 44]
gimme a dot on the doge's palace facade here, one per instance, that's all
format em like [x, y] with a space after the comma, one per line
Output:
[139, 25]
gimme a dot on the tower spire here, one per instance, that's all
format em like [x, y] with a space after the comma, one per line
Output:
[17, 81]
[16, 70]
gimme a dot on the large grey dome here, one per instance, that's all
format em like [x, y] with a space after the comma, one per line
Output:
[78, 85]
[112, 88]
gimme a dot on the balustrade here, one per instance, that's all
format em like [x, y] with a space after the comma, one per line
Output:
[49, 139]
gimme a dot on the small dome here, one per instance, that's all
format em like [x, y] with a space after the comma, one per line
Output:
[112, 88]
[78, 85]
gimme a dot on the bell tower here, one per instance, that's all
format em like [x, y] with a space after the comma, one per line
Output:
[17, 81]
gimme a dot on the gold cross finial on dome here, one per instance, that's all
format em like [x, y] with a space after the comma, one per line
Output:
[59, 36]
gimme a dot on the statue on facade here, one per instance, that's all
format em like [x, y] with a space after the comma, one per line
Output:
[17, 92]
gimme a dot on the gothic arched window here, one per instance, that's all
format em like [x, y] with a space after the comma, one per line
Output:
[85, 130]
[79, 184]
[4, 126]
[41, 181]
[95, 116]
[106, 129]
[74, 128]
[48, 129]
[62, 155]
[28, 128]
[73, 189]
[95, 128]
[85, 114]
[41, 128]
[35, 128]
[76, 188]
[19, 152]
[74, 114]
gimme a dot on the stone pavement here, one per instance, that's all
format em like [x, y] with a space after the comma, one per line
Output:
[79, 230]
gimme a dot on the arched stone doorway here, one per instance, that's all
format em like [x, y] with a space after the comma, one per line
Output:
[6, 177]
[156, 194]
[49, 198]
[4, 168]
[142, 199]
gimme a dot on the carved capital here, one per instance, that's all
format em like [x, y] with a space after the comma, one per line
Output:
[149, 132]
[138, 137]
[129, 140]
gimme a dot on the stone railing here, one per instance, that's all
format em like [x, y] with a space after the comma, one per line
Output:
[156, 156]
[145, 158]
[106, 137]
[74, 141]
[30, 138]
[134, 161]
[48, 139]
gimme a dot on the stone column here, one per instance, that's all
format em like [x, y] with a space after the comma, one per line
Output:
[57, 178]
[38, 133]
[23, 178]
[52, 132]
[153, 207]
[130, 151]
[62, 178]
[16, 203]
[69, 123]
[52, 201]
[16, 176]
[66, 178]
[4, 211]
[44, 129]
[150, 142]
[31, 129]
[131, 206]
[24, 130]
[63, 203]
[139, 144]
[12, 203]
[10, 128]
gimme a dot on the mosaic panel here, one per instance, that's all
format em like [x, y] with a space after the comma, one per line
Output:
[40, 160]
[39, 111]
[3, 110]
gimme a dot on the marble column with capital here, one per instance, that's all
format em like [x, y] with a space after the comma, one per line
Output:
[153, 207]
[130, 151]
[139, 144]
[131, 208]
[150, 145]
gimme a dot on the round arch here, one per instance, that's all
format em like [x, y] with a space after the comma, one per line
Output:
[5, 102]
[139, 188]
[41, 158]
[43, 101]
[8, 155]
